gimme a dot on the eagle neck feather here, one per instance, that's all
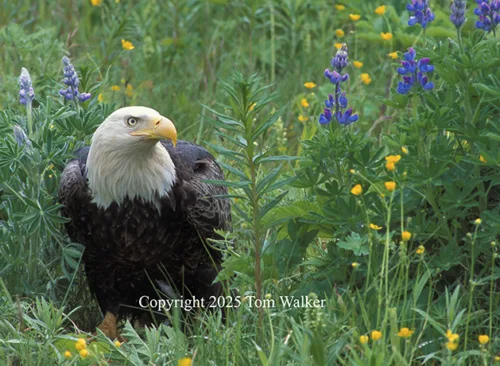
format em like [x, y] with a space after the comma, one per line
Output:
[114, 174]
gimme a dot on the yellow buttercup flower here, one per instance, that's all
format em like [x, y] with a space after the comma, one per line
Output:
[357, 190]
[452, 346]
[390, 186]
[386, 36]
[118, 344]
[365, 78]
[304, 103]
[80, 344]
[67, 354]
[338, 45]
[339, 7]
[406, 235]
[393, 55]
[309, 85]
[390, 166]
[393, 158]
[339, 33]
[482, 159]
[303, 118]
[100, 98]
[357, 64]
[127, 45]
[115, 88]
[354, 17]
[375, 227]
[376, 335]
[483, 339]
[420, 250]
[186, 361]
[478, 221]
[404, 150]
[380, 10]
[355, 264]
[405, 333]
[452, 337]
[363, 339]
[84, 353]
[96, 2]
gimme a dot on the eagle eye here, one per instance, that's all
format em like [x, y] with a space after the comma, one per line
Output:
[131, 121]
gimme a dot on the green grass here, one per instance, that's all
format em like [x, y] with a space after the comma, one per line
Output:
[298, 228]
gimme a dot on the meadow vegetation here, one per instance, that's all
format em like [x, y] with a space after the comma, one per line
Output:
[373, 185]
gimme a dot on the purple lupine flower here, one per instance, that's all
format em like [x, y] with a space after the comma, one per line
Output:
[414, 71]
[72, 82]
[21, 137]
[26, 93]
[422, 13]
[488, 12]
[457, 16]
[336, 104]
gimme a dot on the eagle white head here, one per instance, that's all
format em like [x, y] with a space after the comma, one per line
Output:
[126, 158]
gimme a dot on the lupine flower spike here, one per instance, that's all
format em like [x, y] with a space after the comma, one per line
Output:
[488, 12]
[26, 93]
[71, 81]
[457, 16]
[336, 105]
[414, 71]
[422, 13]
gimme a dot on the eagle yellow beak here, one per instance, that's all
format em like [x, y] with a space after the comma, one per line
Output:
[161, 128]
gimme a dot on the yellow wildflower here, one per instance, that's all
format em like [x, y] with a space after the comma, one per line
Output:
[477, 221]
[390, 166]
[338, 45]
[451, 346]
[355, 264]
[405, 333]
[376, 335]
[304, 103]
[127, 45]
[497, 358]
[352, 171]
[186, 361]
[393, 55]
[100, 98]
[339, 7]
[452, 337]
[80, 344]
[96, 2]
[118, 343]
[375, 227]
[380, 10]
[129, 90]
[386, 36]
[84, 353]
[309, 85]
[67, 354]
[483, 339]
[393, 158]
[404, 150]
[363, 339]
[390, 186]
[406, 235]
[420, 250]
[303, 118]
[482, 159]
[339, 33]
[354, 17]
[252, 106]
[365, 78]
[115, 88]
[268, 296]
[357, 64]
[357, 190]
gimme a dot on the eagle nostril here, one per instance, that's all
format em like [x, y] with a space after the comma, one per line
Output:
[157, 123]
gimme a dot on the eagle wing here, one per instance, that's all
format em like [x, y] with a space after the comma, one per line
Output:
[203, 203]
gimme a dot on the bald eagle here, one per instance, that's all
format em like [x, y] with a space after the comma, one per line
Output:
[138, 202]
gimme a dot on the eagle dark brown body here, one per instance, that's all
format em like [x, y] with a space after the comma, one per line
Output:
[131, 246]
